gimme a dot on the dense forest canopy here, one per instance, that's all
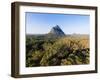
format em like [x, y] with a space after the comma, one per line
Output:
[55, 51]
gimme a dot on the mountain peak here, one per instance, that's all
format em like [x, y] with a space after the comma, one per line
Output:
[56, 30]
[57, 26]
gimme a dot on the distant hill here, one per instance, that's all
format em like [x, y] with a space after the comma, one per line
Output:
[56, 31]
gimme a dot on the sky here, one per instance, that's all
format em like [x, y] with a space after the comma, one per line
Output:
[41, 23]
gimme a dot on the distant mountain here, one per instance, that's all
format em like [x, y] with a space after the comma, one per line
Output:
[56, 31]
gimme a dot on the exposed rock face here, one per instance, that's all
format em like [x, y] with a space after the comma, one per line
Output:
[56, 30]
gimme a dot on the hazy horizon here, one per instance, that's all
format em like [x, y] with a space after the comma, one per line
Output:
[42, 23]
[65, 34]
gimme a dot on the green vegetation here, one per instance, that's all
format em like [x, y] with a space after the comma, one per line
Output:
[42, 51]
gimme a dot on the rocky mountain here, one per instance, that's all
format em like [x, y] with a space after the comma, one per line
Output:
[56, 31]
